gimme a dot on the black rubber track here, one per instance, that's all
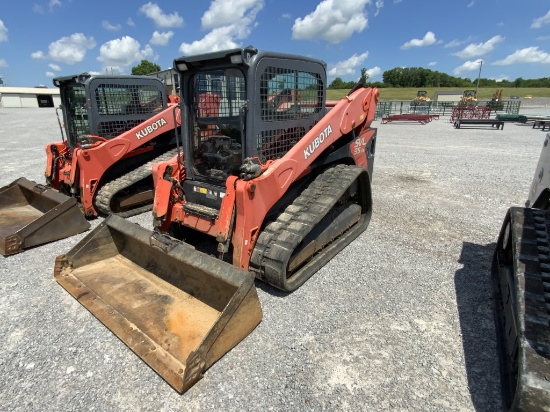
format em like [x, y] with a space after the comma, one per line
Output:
[521, 286]
[279, 240]
[109, 190]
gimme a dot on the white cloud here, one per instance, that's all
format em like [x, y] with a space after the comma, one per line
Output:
[467, 67]
[379, 4]
[470, 4]
[3, 63]
[50, 74]
[111, 27]
[54, 3]
[155, 13]
[286, 16]
[123, 52]
[375, 71]
[161, 38]
[38, 9]
[479, 49]
[332, 20]
[349, 66]
[3, 32]
[112, 70]
[228, 12]
[453, 43]
[130, 22]
[68, 50]
[54, 67]
[540, 21]
[225, 37]
[543, 38]
[217, 39]
[38, 55]
[500, 78]
[527, 55]
[456, 42]
[427, 40]
[432, 63]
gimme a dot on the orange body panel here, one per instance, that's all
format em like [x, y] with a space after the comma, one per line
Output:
[164, 205]
[260, 194]
[253, 199]
[86, 166]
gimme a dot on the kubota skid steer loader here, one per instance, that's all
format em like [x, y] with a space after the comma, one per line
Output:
[274, 187]
[521, 289]
[113, 128]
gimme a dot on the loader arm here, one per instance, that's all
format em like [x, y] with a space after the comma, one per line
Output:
[90, 163]
[353, 112]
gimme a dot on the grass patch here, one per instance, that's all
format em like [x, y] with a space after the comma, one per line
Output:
[483, 93]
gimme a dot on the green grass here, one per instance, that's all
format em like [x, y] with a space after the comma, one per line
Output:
[483, 92]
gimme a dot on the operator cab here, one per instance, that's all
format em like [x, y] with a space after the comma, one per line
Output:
[218, 100]
[241, 106]
[106, 106]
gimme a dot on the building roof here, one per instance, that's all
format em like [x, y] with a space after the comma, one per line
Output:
[29, 90]
[449, 92]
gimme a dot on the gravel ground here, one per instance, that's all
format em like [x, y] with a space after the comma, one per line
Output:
[399, 320]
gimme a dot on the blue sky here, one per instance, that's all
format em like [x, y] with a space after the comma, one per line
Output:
[46, 38]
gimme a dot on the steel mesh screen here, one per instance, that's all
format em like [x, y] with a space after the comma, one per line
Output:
[287, 94]
[115, 128]
[219, 98]
[137, 102]
[77, 114]
[274, 144]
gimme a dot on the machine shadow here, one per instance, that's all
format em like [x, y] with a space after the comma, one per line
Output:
[267, 288]
[475, 310]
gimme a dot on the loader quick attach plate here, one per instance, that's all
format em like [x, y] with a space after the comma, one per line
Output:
[521, 286]
[178, 309]
[32, 214]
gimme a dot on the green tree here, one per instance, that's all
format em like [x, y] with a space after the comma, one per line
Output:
[145, 67]
[519, 82]
[364, 76]
[337, 83]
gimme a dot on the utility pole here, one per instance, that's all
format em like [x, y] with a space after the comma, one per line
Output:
[479, 75]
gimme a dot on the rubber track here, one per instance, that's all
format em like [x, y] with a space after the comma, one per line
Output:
[106, 193]
[528, 308]
[279, 239]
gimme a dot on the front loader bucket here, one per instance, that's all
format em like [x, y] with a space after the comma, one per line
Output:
[32, 214]
[178, 309]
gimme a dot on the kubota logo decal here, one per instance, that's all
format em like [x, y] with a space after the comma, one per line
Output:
[318, 141]
[150, 128]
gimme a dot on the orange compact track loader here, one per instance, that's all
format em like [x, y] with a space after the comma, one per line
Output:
[113, 128]
[262, 187]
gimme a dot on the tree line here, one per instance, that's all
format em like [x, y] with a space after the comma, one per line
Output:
[401, 77]
[419, 77]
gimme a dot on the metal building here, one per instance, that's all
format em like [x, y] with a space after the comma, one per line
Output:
[447, 96]
[29, 97]
[170, 79]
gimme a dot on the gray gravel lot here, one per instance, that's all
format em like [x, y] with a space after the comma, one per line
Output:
[399, 320]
